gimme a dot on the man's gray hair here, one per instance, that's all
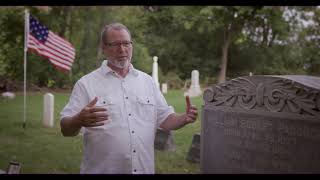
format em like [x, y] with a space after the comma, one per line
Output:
[112, 26]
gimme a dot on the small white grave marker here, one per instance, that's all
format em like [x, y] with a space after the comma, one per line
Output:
[164, 88]
[155, 71]
[194, 89]
[48, 110]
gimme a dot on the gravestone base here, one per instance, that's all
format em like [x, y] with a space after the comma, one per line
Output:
[164, 141]
[194, 151]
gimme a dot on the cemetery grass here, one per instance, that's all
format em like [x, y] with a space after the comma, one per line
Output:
[46, 151]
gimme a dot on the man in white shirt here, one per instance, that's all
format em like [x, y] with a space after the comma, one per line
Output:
[120, 109]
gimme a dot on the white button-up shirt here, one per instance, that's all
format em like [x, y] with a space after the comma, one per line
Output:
[136, 108]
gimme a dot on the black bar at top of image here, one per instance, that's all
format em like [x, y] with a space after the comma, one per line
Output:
[156, 2]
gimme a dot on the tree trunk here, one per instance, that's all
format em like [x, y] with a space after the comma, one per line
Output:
[101, 24]
[224, 58]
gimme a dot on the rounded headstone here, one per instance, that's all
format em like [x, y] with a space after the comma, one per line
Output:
[48, 110]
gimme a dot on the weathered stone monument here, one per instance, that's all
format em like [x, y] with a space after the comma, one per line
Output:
[48, 110]
[194, 89]
[14, 167]
[262, 124]
[194, 151]
[155, 71]
[164, 140]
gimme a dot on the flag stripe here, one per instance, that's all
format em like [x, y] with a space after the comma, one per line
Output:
[43, 49]
[52, 50]
[59, 64]
[63, 67]
[61, 50]
[49, 55]
[55, 41]
[58, 38]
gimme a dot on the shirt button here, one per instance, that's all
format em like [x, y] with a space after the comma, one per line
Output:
[134, 151]
[135, 170]
[126, 97]
[129, 114]
[132, 132]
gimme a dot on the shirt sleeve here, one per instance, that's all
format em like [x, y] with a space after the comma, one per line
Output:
[78, 100]
[162, 108]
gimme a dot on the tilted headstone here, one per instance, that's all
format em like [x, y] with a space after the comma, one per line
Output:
[164, 88]
[14, 167]
[155, 71]
[194, 151]
[164, 140]
[48, 110]
[194, 89]
[262, 124]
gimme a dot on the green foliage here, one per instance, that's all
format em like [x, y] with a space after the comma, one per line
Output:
[11, 40]
[173, 81]
[263, 40]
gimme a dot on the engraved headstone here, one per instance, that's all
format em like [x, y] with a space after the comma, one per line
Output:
[194, 151]
[164, 140]
[48, 110]
[262, 124]
[194, 89]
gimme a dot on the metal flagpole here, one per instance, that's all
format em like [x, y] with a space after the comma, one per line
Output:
[26, 32]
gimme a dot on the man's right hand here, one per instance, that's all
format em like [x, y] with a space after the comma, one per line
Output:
[91, 116]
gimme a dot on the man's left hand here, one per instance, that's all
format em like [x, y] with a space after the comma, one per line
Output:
[191, 111]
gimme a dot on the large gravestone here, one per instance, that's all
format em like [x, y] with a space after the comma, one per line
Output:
[262, 124]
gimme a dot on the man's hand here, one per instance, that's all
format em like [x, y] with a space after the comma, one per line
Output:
[91, 116]
[191, 111]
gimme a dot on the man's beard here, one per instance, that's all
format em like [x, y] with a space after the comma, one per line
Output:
[120, 64]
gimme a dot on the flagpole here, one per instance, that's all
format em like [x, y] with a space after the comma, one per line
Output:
[26, 32]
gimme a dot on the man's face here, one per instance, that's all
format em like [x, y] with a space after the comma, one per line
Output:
[118, 48]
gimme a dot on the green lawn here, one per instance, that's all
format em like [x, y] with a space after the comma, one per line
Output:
[45, 150]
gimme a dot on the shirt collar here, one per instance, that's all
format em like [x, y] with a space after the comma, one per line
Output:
[106, 69]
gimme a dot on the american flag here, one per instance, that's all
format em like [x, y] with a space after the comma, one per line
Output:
[41, 40]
